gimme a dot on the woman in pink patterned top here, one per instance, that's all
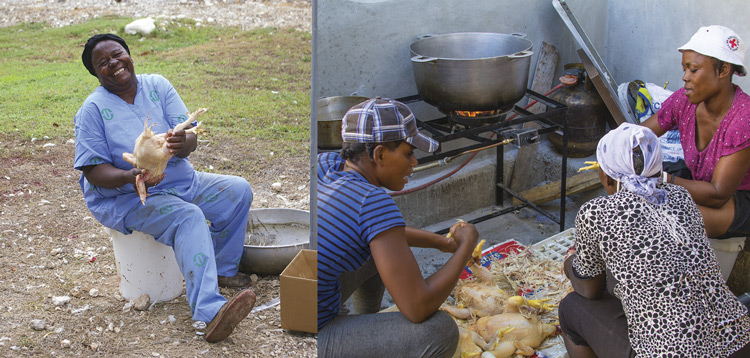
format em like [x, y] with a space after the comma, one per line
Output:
[713, 117]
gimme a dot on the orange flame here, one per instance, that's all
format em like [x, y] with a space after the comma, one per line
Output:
[472, 114]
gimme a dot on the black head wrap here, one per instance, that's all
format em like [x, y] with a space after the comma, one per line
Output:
[91, 43]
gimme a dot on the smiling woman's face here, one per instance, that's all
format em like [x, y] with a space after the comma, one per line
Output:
[113, 66]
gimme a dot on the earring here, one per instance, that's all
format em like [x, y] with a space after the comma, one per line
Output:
[618, 187]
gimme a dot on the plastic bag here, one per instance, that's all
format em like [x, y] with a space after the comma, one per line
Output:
[671, 147]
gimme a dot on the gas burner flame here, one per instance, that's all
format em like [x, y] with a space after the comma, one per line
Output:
[480, 114]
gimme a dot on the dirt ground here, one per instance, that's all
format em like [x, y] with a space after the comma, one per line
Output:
[51, 247]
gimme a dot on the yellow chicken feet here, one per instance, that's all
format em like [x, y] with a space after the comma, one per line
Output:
[539, 304]
[591, 166]
[498, 337]
[477, 254]
[479, 271]
[459, 223]
[519, 301]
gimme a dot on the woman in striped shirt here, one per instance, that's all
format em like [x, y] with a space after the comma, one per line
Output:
[363, 244]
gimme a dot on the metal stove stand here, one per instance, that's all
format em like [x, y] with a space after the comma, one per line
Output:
[442, 134]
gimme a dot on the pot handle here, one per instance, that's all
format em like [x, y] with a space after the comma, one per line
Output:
[422, 59]
[519, 34]
[522, 54]
[425, 36]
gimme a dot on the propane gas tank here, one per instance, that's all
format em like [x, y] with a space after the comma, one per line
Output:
[587, 113]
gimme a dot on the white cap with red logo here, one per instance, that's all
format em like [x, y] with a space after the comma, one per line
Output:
[719, 42]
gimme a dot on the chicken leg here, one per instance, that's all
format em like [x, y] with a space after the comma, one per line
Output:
[151, 154]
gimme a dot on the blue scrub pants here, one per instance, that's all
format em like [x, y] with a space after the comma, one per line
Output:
[202, 250]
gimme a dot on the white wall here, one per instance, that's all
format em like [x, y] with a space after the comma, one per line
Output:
[643, 36]
[362, 46]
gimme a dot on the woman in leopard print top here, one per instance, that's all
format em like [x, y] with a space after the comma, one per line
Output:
[646, 280]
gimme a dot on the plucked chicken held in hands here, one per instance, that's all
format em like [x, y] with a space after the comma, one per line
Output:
[151, 154]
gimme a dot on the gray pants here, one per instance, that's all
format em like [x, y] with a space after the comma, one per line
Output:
[371, 334]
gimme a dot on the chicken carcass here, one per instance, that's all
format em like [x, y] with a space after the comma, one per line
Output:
[518, 330]
[477, 298]
[151, 154]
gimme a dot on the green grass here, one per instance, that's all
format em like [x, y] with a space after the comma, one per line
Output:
[25, 341]
[257, 83]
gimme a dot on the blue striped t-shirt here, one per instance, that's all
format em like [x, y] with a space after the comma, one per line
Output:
[351, 212]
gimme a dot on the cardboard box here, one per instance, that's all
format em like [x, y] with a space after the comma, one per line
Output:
[299, 293]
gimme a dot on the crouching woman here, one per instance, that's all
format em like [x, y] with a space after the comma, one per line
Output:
[364, 244]
[646, 280]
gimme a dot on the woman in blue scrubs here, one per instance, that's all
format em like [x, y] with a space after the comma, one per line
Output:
[180, 204]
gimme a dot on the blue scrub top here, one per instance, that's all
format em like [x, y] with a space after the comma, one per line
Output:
[106, 126]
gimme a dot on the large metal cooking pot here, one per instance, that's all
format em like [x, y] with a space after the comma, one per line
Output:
[330, 111]
[471, 71]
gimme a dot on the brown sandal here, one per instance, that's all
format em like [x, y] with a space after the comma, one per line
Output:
[229, 316]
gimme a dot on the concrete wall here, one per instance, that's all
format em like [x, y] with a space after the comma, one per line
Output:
[643, 36]
[362, 46]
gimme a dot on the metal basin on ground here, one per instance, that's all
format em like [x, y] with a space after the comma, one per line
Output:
[471, 71]
[274, 237]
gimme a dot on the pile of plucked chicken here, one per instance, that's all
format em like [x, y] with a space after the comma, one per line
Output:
[510, 308]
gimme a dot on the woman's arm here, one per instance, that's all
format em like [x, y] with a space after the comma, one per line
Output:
[590, 288]
[422, 238]
[653, 124]
[108, 176]
[418, 298]
[728, 175]
[590, 225]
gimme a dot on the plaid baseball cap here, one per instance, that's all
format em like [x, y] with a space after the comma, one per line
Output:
[718, 42]
[380, 120]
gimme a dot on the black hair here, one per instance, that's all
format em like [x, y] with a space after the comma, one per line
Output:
[638, 161]
[353, 151]
[91, 43]
[718, 63]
